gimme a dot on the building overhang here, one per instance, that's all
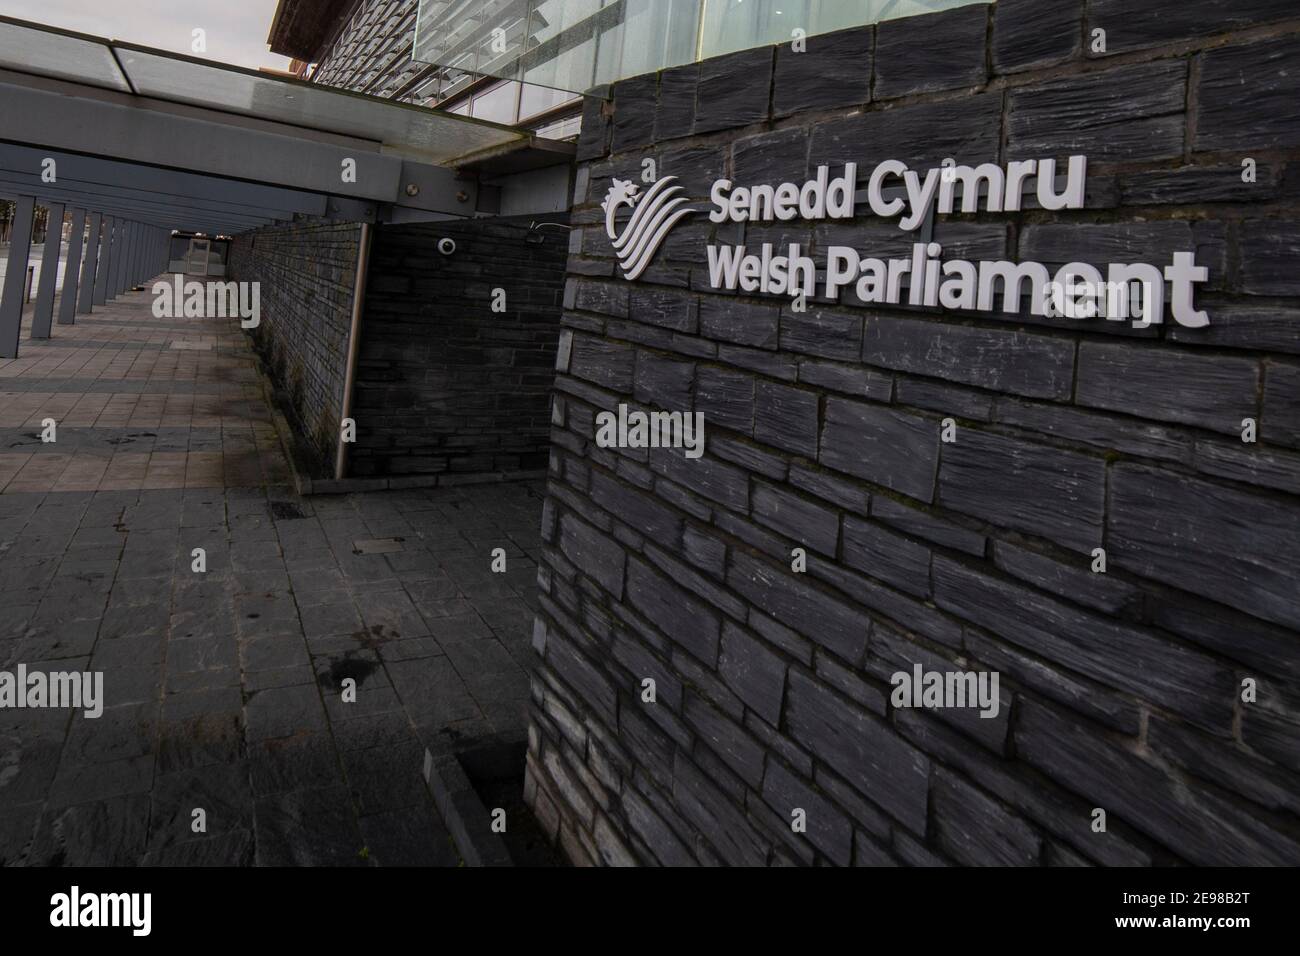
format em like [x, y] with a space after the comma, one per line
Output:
[301, 27]
[106, 108]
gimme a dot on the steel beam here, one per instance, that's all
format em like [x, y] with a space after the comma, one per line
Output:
[54, 113]
[152, 184]
[43, 314]
[68, 294]
[11, 300]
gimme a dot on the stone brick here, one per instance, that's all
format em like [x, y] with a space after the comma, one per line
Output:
[786, 418]
[851, 497]
[715, 480]
[1195, 825]
[850, 379]
[1281, 420]
[794, 602]
[1198, 184]
[888, 556]
[742, 322]
[833, 70]
[937, 51]
[886, 447]
[668, 849]
[975, 830]
[749, 457]
[1244, 325]
[1224, 764]
[606, 363]
[1229, 545]
[607, 298]
[593, 141]
[922, 524]
[1250, 463]
[776, 157]
[1162, 383]
[637, 509]
[967, 130]
[1097, 430]
[664, 308]
[719, 822]
[634, 112]
[688, 578]
[828, 830]
[1115, 655]
[820, 332]
[734, 90]
[756, 674]
[1130, 27]
[1075, 582]
[1268, 256]
[1154, 242]
[574, 669]
[948, 400]
[1035, 33]
[1245, 95]
[1016, 362]
[1030, 487]
[797, 518]
[1123, 114]
[726, 397]
[727, 739]
[907, 611]
[594, 554]
[892, 653]
[684, 619]
[663, 382]
[893, 774]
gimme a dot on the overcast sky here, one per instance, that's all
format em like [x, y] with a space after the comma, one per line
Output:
[236, 29]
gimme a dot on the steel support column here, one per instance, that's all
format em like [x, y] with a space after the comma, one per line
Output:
[115, 260]
[43, 314]
[102, 264]
[68, 295]
[11, 300]
[90, 264]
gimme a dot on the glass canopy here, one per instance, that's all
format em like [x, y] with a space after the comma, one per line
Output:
[401, 129]
[577, 44]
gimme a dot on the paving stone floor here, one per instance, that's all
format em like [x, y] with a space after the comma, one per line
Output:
[223, 688]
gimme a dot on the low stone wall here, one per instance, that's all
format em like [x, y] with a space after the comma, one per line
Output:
[1161, 691]
[306, 273]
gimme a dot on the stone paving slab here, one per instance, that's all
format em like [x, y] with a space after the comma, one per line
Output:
[223, 688]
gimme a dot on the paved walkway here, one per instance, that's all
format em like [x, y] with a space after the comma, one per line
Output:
[222, 688]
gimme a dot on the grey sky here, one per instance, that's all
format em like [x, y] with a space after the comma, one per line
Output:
[236, 29]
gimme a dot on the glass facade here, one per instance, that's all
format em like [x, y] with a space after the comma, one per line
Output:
[574, 45]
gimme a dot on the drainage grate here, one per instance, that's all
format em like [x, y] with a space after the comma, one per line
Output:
[286, 511]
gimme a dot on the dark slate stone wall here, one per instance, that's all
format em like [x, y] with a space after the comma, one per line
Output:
[307, 272]
[1120, 691]
[444, 383]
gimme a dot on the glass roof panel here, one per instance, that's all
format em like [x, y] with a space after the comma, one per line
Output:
[45, 51]
[403, 129]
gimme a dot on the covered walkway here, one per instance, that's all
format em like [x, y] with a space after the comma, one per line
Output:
[222, 688]
[149, 528]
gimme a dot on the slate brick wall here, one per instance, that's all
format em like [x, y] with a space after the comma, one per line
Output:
[1120, 691]
[307, 272]
[444, 383]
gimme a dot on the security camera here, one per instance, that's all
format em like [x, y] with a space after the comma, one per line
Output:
[446, 246]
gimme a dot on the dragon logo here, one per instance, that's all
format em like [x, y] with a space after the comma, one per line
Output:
[653, 214]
